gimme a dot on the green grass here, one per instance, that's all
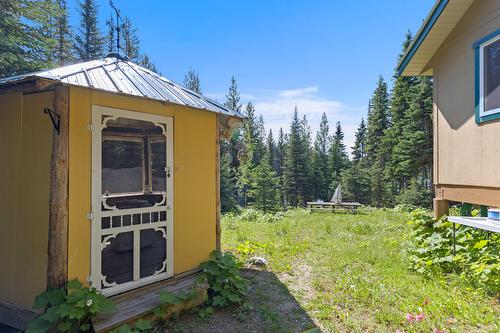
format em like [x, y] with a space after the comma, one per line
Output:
[348, 274]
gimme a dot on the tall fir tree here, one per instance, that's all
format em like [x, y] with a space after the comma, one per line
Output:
[320, 161]
[147, 63]
[339, 160]
[356, 181]
[192, 81]
[130, 40]
[295, 170]
[233, 146]
[271, 151]
[376, 152]
[264, 189]
[89, 43]
[63, 35]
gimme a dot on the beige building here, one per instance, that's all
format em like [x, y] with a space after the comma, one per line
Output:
[459, 45]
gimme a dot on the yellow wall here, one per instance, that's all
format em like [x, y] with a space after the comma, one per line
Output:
[194, 178]
[25, 149]
[465, 153]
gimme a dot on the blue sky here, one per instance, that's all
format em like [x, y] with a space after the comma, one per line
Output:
[323, 56]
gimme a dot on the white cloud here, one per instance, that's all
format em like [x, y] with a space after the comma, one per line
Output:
[277, 107]
[298, 92]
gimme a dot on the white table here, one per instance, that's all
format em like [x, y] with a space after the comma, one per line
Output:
[476, 222]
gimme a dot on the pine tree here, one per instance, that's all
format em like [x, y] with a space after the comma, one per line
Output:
[130, 39]
[249, 142]
[339, 160]
[89, 43]
[63, 51]
[320, 163]
[376, 152]
[296, 169]
[226, 187]
[110, 36]
[234, 145]
[26, 42]
[356, 181]
[281, 148]
[260, 148]
[271, 150]
[146, 62]
[265, 187]
[359, 148]
[192, 81]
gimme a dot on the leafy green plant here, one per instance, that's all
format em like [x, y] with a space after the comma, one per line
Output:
[477, 256]
[71, 311]
[226, 285]
[142, 325]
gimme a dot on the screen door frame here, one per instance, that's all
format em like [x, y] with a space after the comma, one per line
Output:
[99, 236]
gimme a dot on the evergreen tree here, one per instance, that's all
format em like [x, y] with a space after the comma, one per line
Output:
[110, 37]
[192, 81]
[281, 148]
[339, 159]
[26, 40]
[271, 151]
[356, 181]
[130, 40]
[359, 148]
[226, 187]
[234, 145]
[63, 51]
[296, 169]
[146, 62]
[320, 161]
[89, 43]
[249, 142]
[265, 187]
[376, 153]
[260, 148]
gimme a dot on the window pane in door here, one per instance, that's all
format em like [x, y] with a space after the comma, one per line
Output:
[117, 261]
[158, 164]
[492, 76]
[153, 251]
[122, 166]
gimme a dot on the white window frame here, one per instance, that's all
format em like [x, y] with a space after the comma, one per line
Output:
[482, 112]
[96, 215]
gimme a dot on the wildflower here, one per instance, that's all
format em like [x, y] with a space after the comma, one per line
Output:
[410, 318]
[398, 331]
[420, 316]
[89, 302]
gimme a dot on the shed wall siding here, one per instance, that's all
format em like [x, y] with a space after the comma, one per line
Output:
[194, 178]
[465, 153]
[25, 168]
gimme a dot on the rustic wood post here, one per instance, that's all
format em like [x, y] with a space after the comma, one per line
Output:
[57, 267]
[217, 185]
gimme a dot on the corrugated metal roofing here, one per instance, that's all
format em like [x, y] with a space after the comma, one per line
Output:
[117, 74]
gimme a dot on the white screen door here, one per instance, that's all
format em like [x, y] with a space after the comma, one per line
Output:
[132, 188]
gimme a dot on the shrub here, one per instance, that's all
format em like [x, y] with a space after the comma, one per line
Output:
[69, 312]
[226, 285]
[430, 249]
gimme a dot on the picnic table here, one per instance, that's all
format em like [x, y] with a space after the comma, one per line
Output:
[333, 206]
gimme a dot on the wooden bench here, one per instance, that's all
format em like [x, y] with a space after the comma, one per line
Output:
[351, 207]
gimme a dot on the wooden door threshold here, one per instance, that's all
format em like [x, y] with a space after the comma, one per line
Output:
[138, 303]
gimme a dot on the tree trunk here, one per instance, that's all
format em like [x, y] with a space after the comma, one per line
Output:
[57, 267]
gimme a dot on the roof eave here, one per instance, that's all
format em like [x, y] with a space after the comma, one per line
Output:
[422, 33]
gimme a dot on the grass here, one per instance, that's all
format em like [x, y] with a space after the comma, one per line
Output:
[342, 273]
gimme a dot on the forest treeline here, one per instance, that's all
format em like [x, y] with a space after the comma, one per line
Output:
[390, 162]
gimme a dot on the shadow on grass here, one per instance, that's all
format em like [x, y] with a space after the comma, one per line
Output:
[268, 307]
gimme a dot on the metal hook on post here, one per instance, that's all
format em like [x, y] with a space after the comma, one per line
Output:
[55, 118]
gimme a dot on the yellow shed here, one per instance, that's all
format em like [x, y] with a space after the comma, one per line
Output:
[109, 175]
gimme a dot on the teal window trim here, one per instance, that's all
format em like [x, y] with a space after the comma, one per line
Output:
[476, 45]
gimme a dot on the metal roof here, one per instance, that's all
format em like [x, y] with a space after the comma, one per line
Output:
[117, 74]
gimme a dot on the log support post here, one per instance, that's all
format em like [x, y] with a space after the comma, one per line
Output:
[57, 267]
[217, 185]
